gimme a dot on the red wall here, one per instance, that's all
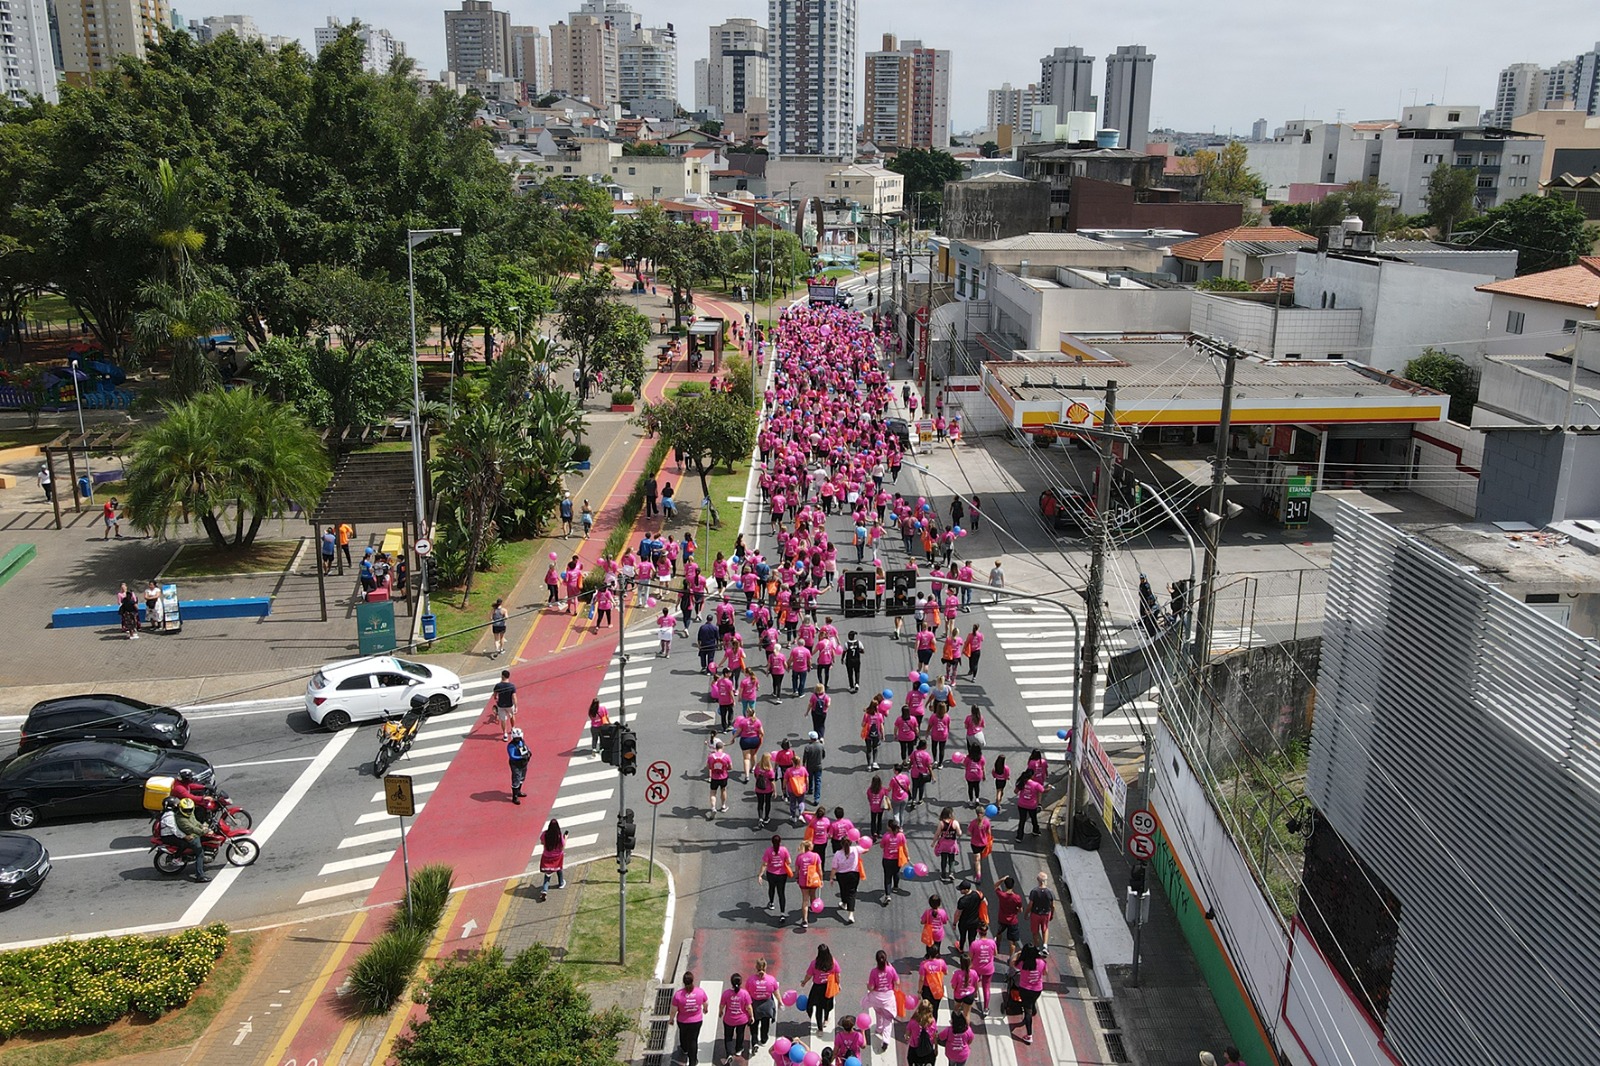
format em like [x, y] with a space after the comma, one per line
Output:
[1107, 205]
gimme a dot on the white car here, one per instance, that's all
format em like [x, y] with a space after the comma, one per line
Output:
[367, 689]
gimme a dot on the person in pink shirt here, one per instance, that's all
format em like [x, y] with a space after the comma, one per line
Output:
[749, 689]
[925, 643]
[900, 789]
[719, 764]
[882, 983]
[808, 874]
[922, 1035]
[1001, 774]
[799, 668]
[848, 1041]
[823, 975]
[921, 774]
[980, 835]
[1038, 765]
[572, 578]
[872, 726]
[947, 844]
[763, 1004]
[973, 725]
[1030, 970]
[1029, 792]
[750, 732]
[972, 770]
[877, 804]
[689, 1012]
[722, 690]
[934, 920]
[735, 1007]
[766, 785]
[933, 973]
[891, 845]
[827, 652]
[604, 601]
[958, 1038]
[983, 952]
[938, 731]
[776, 868]
[777, 665]
[905, 731]
[964, 573]
[963, 985]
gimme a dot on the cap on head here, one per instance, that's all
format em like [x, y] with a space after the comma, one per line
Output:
[964, 886]
[811, 735]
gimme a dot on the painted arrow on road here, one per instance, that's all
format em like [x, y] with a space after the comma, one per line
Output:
[468, 928]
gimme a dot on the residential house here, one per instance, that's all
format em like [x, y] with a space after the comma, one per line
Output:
[878, 190]
[972, 262]
[1210, 257]
[1540, 312]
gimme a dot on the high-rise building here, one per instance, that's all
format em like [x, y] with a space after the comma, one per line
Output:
[811, 49]
[530, 59]
[1258, 130]
[583, 58]
[1519, 90]
[27, 65]
[477, 38]
[1066, 81]
[1586, 81]
[647, 64]
[907, 91]
[1127, 97]
[1014, 108]
[734, 79]
[1558, 83]
[379, 47]
[96, 33]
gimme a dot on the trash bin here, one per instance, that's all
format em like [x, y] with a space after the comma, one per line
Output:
[85, 487]
[430, 628]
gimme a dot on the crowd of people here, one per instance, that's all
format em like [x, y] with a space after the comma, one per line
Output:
[827, 456]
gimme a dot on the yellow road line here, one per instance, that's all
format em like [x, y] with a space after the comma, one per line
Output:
[316, 989]
[501, 909]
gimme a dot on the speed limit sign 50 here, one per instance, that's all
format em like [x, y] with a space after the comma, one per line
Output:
[1142, 823]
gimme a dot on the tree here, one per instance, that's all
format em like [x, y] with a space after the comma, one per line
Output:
[1451, 196]
[1226, 175]
[683, 254]
[1295, 215]
[1446, 373]
[990, 149]
[1370, 200]
[645, 148]
[218, 451]
[1221, 284]
[475, 456]
[355, 310]
[926, 172]
[605, 335]
[335, 387]
[709, 428]
[711, 127]
[485, 1011]
[1546, 232]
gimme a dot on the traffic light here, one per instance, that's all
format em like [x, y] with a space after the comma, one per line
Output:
[626, 835]
[858, 594]
[902, 590]
[628, 751]
[1137, 878]
[608, 744]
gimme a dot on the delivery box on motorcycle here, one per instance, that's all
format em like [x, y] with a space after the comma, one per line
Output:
[156, 791]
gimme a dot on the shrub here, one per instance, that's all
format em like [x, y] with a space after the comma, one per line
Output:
[380, 976]
[581, 453]
[77, 983]
[430, 891]
[621, 398]
[691, 388]
[623, 533]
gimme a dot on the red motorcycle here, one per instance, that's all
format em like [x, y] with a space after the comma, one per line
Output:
[217, 807]
[233, 842]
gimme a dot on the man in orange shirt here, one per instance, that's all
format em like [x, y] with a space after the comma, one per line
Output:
[346, 531]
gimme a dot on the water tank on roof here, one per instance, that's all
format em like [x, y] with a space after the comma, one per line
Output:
[1352, 224]
[1107, 138]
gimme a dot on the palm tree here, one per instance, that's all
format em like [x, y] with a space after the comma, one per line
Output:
[477, 453]
[218, 451]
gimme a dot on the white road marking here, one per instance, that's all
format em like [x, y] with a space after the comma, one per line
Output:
[96, 854]
[339, 866]
[349, 888]
[361, 840]
[585, 778]
[261, 762]
[582, 797]
[379, 816]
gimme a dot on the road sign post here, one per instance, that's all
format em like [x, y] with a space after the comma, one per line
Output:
[400, 800]
[655, 794]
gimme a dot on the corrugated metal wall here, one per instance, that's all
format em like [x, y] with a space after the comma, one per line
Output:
[1457, 751]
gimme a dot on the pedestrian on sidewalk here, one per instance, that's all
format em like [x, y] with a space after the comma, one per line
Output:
[566, 514]
[345, 531]
[587, 519]
[497, 626]
[882, 998]
[113, 520]
[152, 598]
[651, 491]
[505, 705]
[47, 484]
[518, 754]
[329, 544]
[552, 584]
[572, 581]
[604, 600]
[775, 867]
[735, 1008]
[128, 611]
[688, 1013]
[1041, 909]
[997, 581]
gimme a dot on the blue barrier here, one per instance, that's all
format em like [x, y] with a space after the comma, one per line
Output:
[191, 610]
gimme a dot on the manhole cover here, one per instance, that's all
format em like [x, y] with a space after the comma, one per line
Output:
[696, 718]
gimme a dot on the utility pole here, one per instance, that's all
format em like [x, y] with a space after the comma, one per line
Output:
[1211, 532]
[1094, 595]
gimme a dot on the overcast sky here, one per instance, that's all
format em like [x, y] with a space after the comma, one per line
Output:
[1218, 66]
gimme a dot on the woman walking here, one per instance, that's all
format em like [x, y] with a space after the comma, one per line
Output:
[736, 1006]
[947, 844]
[845, 869]
[1030, 970]
[808, 873]
[604, 601]
[1029, 791]
[823, 973]
[921, 774]
[553, 857]
[972, 771]
[689, 1012]
[748, 728]
[719, 765]
[892, 843]
[932, 972]
[972, 647]
[776, 868]
[882, 984]
[763, 989]
[1001, 774]
[980, 832]
[877, 804]
[766, 785]
[497, 626]
[922, 1035]
[984, 950]
[128, 611]
[872, 730]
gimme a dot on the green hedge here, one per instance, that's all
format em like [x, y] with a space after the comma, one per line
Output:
[623, 533]
[76, 983]
[380, 976]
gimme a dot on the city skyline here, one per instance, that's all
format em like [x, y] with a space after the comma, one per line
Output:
[1197, 88]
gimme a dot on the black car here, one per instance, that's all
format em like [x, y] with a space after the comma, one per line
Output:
[102, 716]
[86, 777]
[24, 864]
[899, 429]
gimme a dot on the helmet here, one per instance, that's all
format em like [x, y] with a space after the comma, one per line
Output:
[186, 805]
[186, 774]
[516, 732]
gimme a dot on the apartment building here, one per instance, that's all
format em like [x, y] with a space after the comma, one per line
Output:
[27, 62]
[811, 49]
[907, 90]
[96, 33]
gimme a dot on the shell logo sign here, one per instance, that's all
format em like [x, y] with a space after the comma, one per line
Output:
[1078, 413]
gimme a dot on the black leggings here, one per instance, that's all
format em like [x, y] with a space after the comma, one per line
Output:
[872, 752]
[877, 823]
[852, 673]
[891, 877]
[1026, 815]
[763, 806]
[733, 1039]
[938, 751]
[778, 890]
[823, 670]
[1030, 1007]
[919, 788]
[973, 788]
[947, 863]
[689, 1042]
[848, 883]
[602, 616]
[818, 1005]
[760, 1027]
[906, 748]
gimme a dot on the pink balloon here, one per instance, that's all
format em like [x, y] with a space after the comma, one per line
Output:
[911, 1003]
[962, 533]
[789, 997]
[912, 677]
[884, 706]
[863, 1020]
[866, 842]
[958, 758]
[854, 835]
[780, 1047]
[811, 1059]
[920, 869]
[553, 557]
[651, 602]
[816, 906]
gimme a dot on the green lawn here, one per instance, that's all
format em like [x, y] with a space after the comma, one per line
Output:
[22, 436]
[592, 938]
[460, 629]
[723, 485]
[206, 560]
[177, 1030]
[51, 308]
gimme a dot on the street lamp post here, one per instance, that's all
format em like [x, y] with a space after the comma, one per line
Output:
[83, 434]
[415, 237]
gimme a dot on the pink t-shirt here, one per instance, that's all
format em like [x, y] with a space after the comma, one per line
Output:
[1031, 979]
[884, 980]
[689, 1004]
[735, 1007]
[982, 952]
[776, 860]
[719, 763]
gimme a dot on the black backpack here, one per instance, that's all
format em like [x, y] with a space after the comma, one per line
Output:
[924, 1050]
[874, 734]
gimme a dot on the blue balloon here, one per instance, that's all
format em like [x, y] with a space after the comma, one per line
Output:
[924, 689]
[749, 614]
[991, 810]
[852, 1061]
[1061, 734]
[888, 693]
[908, 871]
[796, 1052]
[923, 677]
[801, 1001]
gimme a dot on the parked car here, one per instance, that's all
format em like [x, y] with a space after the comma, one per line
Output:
[103, 716]
[1066, 509]
[24, 864]
[900, 429]
[365, 690]
[86, 777]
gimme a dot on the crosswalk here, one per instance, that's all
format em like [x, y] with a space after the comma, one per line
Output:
[1052, 1039]
[1040, 648]
[583, 801]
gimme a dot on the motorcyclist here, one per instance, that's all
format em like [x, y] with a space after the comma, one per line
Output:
[188, 786]
[192, 832]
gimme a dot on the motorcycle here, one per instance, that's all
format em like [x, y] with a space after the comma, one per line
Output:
[394, 740]
[218, 807]
[234, 843]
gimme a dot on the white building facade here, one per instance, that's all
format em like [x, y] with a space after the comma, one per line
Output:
[27, 64]
[811, 53]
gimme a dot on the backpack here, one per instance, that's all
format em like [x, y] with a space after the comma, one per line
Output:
[924, 1050]
[936, 983]
[874, 734]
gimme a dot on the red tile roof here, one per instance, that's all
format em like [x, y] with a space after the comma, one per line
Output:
[1208, 249]
[1285, 285]
[1576, 286]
